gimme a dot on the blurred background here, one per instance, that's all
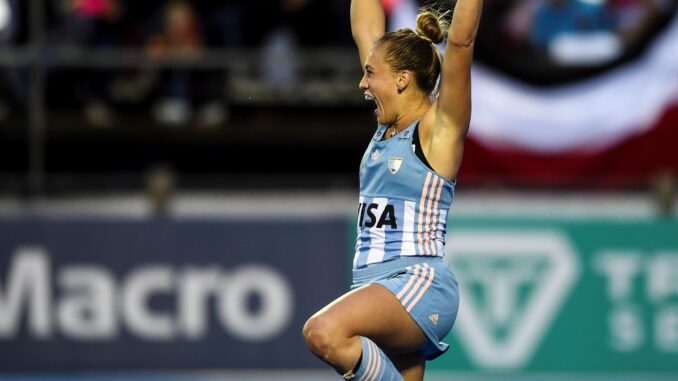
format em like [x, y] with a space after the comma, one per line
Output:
[178, 188]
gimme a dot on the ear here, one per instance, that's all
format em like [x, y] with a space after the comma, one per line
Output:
[403, 80]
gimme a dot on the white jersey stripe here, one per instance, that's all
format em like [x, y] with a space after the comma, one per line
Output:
[377, 235]
[361, 199]
[440, 246]
[407, 247]
[442, 223]
[395, 237]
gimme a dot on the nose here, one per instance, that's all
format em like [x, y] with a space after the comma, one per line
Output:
[363, 82]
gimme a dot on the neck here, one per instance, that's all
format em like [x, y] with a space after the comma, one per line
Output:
[414, 112]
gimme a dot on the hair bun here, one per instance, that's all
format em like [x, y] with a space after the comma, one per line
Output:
[429, 26]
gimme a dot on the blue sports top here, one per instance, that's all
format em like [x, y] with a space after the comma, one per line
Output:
[403, 203]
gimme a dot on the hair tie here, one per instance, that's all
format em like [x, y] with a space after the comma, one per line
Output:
[424, 37]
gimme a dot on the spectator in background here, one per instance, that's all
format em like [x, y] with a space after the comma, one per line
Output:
[180, 34]
[280, 28]
[92, 24]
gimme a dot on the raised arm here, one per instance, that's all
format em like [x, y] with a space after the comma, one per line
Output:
[453, 109]
[367, 25]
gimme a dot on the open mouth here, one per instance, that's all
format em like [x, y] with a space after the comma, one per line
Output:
[371, 98]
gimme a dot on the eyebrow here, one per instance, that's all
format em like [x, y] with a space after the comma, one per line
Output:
[368, 67]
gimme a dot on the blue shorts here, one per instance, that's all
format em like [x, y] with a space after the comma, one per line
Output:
[427, 289]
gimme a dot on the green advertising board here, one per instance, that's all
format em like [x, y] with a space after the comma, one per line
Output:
[550, 294]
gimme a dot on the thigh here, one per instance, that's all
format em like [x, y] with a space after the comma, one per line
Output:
[374, 312]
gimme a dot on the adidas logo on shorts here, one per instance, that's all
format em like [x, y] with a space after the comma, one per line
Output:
[434, 319]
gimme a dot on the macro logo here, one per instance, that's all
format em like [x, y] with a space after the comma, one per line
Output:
[512, 285]
[89, 302]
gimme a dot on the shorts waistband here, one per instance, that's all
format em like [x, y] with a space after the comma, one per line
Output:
[385, 268]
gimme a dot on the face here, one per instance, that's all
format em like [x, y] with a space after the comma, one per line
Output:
[179, 19]
[380, 85]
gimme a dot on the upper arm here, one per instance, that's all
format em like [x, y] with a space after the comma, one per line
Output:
[449, 118]
[454, 101]
[447, 121]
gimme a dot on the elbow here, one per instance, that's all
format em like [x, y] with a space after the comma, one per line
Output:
[461, 44]
[361, 39]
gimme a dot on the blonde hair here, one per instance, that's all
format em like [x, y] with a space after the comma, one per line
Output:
[406, 49]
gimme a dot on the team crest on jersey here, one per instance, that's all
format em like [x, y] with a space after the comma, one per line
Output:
[375, 154]
[394, 164]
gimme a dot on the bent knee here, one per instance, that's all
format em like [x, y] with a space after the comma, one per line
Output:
[330, 341]
[318, 332]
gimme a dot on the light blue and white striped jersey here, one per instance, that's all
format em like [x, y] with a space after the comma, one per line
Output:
[403, 203]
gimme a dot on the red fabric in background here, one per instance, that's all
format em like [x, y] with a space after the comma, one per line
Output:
[633, 162]
[388, 5]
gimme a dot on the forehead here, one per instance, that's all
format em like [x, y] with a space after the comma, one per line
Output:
[376, 57]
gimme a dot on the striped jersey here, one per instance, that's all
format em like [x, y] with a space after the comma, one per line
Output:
[403, 203]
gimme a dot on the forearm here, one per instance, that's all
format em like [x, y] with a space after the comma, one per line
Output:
[465, 20]
[454, 101]
[368, 24]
